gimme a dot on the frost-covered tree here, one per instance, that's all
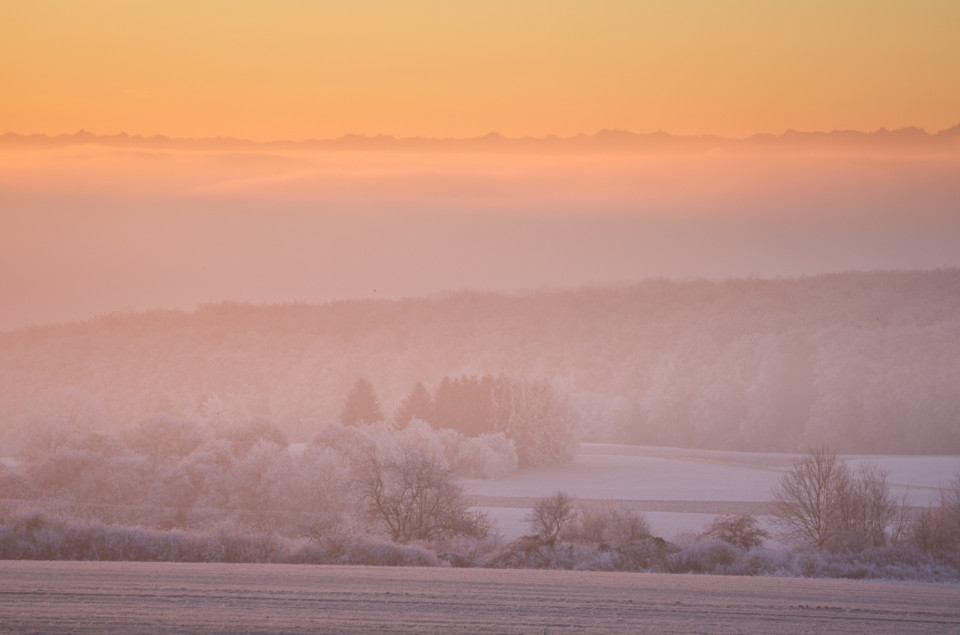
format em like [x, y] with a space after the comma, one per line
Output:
[869, 509]
[206, 476]
[355, 444]
[822, 502]
[740, 530]
[541, 422]
[316, 484]
[936, 529]
[414, 495]
[57, 417]
[545, 427]
[617, 526]
[164, 435]
[362, 405]
[809, 498]
[551, 515]
[246, 435]
[486, 456]
[257, 479]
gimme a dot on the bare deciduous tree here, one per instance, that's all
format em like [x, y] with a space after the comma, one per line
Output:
[416, 497]
[808, 500]
[868, 507]
[551, 515]
[824, 503]
[605, 523]
[936, 529]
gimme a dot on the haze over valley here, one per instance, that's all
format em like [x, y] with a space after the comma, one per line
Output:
[94, 227]
[456, 290]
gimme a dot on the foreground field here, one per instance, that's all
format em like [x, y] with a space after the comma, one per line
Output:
[96, 597]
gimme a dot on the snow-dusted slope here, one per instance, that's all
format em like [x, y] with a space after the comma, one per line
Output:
[681, 489]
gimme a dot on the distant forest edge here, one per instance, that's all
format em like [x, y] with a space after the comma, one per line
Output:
[862, 362]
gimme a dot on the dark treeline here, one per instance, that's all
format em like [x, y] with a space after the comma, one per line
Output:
[864, 362]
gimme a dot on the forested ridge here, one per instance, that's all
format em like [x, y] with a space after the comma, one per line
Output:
[864, 362]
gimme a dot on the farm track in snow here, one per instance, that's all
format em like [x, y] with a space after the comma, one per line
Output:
[97, 597]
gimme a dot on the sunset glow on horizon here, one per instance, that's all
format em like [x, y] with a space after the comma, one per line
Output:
[298, 70]
[94, 223]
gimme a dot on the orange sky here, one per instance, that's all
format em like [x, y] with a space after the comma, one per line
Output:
[297, 69]
[88, 228]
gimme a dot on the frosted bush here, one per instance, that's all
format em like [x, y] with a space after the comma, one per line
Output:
[417, 436]
[353, 442]
[249, 547]
[248, 434]
[609, 525]
[740, 530]
[205, 477]
[164, 436]
[760, 561]
[486, 456]
[649, 554]
[367, 550]
[256, 478]
[317, 485]
[592, 558]
[464, 551]
[625, 528]
[711, 556]
[39, 535]
[15, 484]
[897, 563]
[529, 552]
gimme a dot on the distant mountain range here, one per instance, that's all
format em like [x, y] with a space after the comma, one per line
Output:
[910, 139]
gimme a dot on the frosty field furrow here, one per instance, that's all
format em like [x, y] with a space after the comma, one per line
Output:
[87, 597]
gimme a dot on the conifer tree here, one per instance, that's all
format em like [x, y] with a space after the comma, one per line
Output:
[361, 406]
[417, 405]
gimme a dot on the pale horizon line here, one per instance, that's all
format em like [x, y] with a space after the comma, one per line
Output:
[606, 137]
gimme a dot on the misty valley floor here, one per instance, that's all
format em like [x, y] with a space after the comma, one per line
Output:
[93, 597]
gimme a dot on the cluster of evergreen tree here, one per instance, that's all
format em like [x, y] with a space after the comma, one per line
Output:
[544, 427]
[469, 405]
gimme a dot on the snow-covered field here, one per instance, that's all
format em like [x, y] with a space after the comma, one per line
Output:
[124, 597]
[680, 490]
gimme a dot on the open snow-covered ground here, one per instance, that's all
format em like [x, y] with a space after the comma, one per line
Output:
[681, 490]
[124, 597]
